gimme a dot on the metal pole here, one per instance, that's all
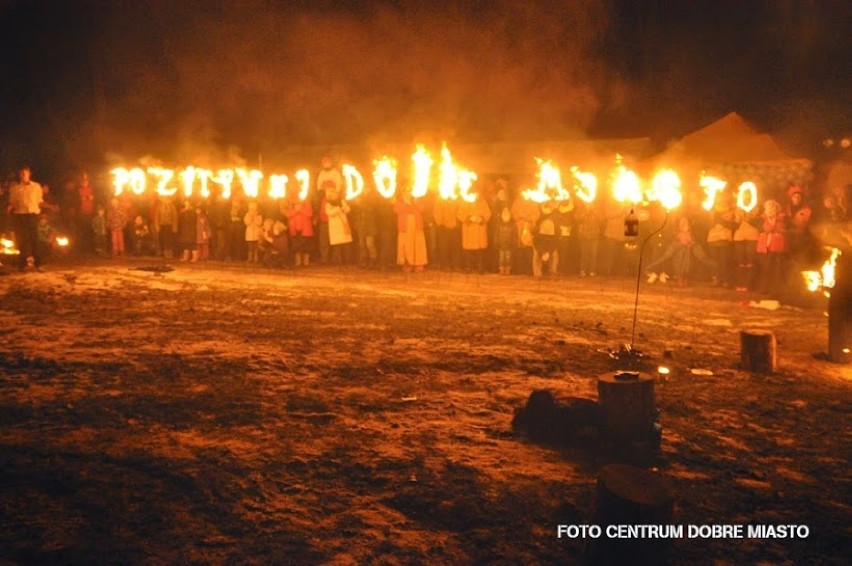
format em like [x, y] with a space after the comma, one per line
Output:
[639, 277]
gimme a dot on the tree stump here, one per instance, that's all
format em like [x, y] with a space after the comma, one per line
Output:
[758, 351]
[631, 496]
[627, 404]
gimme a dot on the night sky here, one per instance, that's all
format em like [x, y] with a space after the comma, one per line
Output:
[86, 81]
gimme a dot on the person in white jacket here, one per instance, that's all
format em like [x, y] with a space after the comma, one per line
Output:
[254, 224]
[339, 231]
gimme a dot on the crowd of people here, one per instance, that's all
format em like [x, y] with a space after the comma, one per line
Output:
[500, 232]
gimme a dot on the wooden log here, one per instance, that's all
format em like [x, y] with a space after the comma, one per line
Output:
[626, 402]
[758, 351]
[631, 496]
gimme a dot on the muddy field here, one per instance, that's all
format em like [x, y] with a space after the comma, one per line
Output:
[227, 415]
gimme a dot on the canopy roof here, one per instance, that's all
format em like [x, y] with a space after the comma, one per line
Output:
[727, 141]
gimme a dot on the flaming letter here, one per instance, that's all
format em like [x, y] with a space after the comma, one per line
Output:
[385, 176]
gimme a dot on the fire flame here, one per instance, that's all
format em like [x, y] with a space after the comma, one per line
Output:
[303, 176]
[384, 175]
[549, 184]
[625, 184]
[824, 278]
[188, 178]
[447, 176]
[62, 242]
[422, 167]
[225, 178]
[750, 189]
[711, 186]
[586, 185]
[454, 181]
[8, 247]
[133, 178]
[250, 180]
[665, 188]
[278, 186]
[354, 181]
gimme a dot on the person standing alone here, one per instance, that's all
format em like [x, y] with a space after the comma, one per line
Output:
[25, 198]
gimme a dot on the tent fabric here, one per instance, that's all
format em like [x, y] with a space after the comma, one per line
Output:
[729, 140]
[731, 148]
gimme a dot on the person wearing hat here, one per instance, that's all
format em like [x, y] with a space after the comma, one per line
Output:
[799, 217]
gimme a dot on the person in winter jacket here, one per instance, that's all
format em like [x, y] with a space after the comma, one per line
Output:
[526, 215]
[141, 236]
[237, 230]
[545, 234]
[411, 239]
[745, 249]
[253, 221]
[329, 179]
[445, 213]
[116, 222]
[772, 247]
[100, 231]
[167, 222]
[565, 235]
[203, 234]
[589, 227]
[799, 218]
[367, 221]
[188, 232]
[474, 218]
[339, 230]
[720, 238]
[505, 240]
[300, 224]
[681, 251]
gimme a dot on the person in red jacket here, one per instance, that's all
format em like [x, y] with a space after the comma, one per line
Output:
[772, 247]
[300, 221]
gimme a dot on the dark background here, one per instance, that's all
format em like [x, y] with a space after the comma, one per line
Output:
[87, 82]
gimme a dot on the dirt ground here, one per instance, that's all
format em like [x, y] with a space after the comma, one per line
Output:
[219, 414]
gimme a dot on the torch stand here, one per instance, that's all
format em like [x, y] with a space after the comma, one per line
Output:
[629, 353]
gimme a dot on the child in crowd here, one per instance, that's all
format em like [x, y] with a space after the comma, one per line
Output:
[141, 236]
[264, 243]
[745, 250]
[299, 218]
[545, 253]
[339, 231]
[506, 240]
[254, 225]
[100, 231]
[279, 249]
[772, 247]
[680, 252]
[116, 222]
